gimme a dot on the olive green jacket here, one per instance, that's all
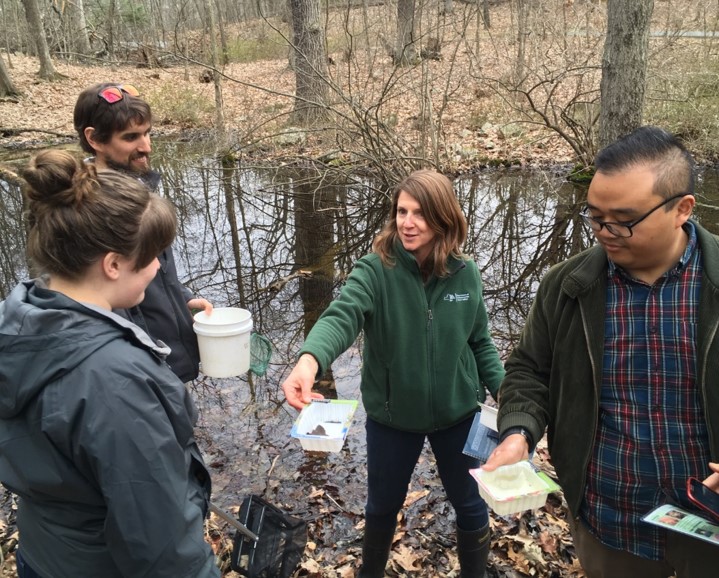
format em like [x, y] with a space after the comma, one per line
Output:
[428, 354]
[554, 374]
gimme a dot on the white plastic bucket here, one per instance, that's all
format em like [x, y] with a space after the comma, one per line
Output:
[224, 341]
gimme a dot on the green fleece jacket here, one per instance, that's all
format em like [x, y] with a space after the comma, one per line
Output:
[428, 354]
[554, 374]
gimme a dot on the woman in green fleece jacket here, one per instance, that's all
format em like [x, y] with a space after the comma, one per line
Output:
[428, 357]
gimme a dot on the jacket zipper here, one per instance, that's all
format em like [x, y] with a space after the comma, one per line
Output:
[430, 373]
[592, 361]
[386, 400]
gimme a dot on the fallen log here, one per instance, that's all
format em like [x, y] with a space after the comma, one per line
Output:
[6, 132]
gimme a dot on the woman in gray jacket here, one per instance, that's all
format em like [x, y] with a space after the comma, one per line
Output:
[96, 432]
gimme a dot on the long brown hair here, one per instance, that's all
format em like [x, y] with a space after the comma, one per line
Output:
[435, 195]
[77, 214]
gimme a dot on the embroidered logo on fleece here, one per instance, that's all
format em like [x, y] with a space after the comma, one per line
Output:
[456, 297]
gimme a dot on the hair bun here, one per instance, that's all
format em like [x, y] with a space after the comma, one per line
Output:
[57, 178]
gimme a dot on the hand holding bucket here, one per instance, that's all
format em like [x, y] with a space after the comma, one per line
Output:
[223, 338]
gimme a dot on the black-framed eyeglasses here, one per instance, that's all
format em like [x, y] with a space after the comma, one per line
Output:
[622, 229]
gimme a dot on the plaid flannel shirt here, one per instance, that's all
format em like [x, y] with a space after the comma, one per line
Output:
[651, 434]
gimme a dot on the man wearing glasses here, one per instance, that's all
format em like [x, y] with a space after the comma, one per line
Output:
[619, 359]
[114, 124]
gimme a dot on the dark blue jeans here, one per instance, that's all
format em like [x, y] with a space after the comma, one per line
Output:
[391, 457]
[23, 570]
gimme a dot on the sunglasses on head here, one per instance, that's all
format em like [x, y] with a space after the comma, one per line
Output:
[113, 94]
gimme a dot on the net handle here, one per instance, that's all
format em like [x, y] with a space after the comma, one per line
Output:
[233, 522]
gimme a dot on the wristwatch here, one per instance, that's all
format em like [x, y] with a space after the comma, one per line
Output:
[520, 430]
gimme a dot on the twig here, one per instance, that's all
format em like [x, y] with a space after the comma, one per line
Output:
[278, 285]
[272, 467]
[335, 502]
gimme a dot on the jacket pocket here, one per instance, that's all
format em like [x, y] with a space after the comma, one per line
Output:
[468, 373]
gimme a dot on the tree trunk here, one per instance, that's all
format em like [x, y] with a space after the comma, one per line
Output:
[522, 33]
[406, 51]
[315, 217]
[624, 68]
[111, 10]
[34, 21]
[7, 88]
[81, 40]
[225, 60]
[310, 63]
[216, 77]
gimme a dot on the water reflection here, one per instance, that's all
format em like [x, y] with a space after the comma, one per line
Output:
[12, 234]
[520, 224]
[279, 242]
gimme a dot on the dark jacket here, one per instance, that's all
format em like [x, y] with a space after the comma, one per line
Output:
[554, 374]
[428, 354]
[96, 438]
[163, 314]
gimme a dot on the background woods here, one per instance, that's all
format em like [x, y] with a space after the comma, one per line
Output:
[398, 84]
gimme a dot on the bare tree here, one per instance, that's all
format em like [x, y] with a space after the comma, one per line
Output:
[81, 40]
[217, 79]
[7, 88]
[111, 11]
[34, 20]
[406, 52]
[310, 62]
[624, 68]
[522, 33]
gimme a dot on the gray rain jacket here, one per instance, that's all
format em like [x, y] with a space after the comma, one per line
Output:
[96, 437]
[164, 315]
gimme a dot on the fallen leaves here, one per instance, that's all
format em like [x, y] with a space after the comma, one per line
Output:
[406, 558]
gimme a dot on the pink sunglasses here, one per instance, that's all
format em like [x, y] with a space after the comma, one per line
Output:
[113, 94]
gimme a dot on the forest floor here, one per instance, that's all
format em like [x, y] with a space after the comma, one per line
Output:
[41, 115]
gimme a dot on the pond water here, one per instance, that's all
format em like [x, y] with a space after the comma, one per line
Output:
[278, 242]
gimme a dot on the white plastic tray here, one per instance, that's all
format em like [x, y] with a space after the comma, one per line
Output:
[332, 417]
[515, 488]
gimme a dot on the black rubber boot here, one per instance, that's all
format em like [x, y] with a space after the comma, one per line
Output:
[375, 548]
[472, 550]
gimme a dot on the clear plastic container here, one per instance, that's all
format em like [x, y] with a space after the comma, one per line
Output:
[515, 488]
[323, 424]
